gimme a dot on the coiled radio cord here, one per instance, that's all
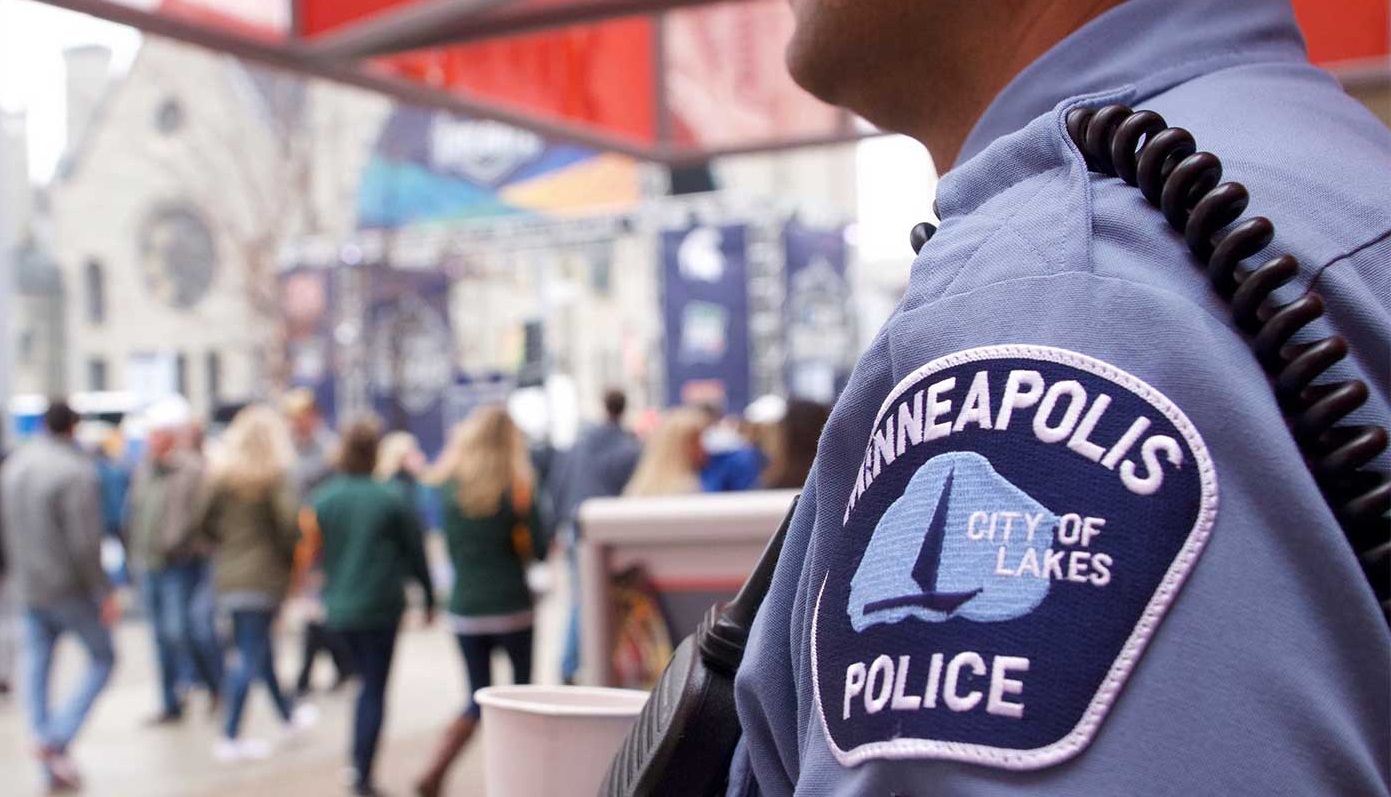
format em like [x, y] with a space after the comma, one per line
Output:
[1164, 163]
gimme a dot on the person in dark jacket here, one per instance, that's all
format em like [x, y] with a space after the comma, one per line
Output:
[51, 526]
[249, 517]
[599, 465]
[371, 545]
[492, 528]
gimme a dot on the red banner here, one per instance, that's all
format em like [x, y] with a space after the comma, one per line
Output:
[599, 75]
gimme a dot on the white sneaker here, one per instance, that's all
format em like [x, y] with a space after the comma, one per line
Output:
[304, 717]
[232, 751]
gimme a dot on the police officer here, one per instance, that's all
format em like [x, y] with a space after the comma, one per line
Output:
[1059, 538]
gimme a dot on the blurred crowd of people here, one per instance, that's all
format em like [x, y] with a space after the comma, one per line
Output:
[217, 535]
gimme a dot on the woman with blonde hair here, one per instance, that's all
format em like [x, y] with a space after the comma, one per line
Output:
[673, 456]
[400, 458]
[249, 516]
[492, 529]
[400, 466]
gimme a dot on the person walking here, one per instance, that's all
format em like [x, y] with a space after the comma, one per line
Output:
[249, 517]
[492, 529]
[171, 560]
[315, 448]
[599, 465]
[114, 477]
[50, 523]
[371, 546]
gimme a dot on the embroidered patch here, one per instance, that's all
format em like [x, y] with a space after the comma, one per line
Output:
[1023, 518]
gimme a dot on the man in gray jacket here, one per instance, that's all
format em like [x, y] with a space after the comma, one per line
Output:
[52, 536]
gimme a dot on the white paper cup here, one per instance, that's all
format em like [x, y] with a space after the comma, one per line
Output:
[553, 741]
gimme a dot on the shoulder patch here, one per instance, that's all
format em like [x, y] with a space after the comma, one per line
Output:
[1022, 520]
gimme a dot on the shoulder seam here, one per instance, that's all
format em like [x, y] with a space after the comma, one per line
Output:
[1353, 252]
[1224, 321]
[1005, 224]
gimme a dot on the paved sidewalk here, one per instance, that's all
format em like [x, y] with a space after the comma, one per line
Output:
[120, 756]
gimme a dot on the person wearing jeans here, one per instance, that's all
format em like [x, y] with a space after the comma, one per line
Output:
[372, 650]
[318, 637]
[50, 524]
[43, 627]
[255, 646]
[371, 545]
[169, 596]
[164, 495]
[492, 529]
[249, 517]
[477, 650]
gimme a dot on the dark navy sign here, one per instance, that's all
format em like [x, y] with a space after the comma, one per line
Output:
[1023, 517]
[705, 302]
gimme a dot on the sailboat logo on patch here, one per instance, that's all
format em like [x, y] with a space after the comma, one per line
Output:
[934, 554]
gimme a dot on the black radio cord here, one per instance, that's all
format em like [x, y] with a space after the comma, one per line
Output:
[1185, 184]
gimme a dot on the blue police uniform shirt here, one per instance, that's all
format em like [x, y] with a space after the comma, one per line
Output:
[1058, 538]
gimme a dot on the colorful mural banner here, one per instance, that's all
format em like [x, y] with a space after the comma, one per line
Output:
[430, 167]
[817, 317]
[705, 304]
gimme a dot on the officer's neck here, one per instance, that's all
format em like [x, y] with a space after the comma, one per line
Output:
[980, 53]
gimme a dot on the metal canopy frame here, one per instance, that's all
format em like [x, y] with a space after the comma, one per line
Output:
[334, 56]
[434, 23]
[342, 50]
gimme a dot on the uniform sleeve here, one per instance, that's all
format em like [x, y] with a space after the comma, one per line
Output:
[80, 512]
[1266, 671]
[767, 687]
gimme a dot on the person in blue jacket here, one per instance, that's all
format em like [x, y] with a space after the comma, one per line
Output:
[1059, 539]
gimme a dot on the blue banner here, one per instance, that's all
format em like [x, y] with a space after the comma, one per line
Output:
[410, 352]
[705, 304]
[817, 316]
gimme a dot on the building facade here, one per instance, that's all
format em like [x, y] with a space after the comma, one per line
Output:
[187, 180]
[181, 181]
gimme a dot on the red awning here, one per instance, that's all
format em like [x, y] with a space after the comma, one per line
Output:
[667, 80]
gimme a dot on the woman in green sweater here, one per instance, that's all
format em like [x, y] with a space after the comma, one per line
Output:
[370, 540]
[492, 530]
[248, 515]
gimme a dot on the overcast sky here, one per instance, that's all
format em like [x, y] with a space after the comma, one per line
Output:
[895, 181]
[32, 39]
